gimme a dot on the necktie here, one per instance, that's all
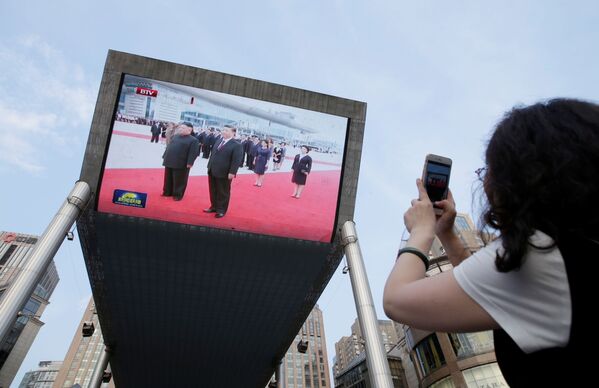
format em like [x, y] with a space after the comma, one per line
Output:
[222, 143]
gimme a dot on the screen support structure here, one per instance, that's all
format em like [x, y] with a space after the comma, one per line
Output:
[376, 358]
[101, 366]
[43, 253]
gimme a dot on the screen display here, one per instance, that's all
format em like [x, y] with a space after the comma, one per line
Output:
[437, 179]
[188, 155]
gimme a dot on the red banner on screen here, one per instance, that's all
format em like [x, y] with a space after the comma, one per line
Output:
[146, 92]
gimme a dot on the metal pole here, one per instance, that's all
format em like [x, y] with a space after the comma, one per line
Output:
[279, 374]
[101, 365]
[108, 369]
[19, 293]
[376, 357]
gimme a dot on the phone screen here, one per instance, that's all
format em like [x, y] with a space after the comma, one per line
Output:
[437, 177]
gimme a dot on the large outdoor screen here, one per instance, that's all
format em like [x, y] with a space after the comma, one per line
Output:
[279, 166]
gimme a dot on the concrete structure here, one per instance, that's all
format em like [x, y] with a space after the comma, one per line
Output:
[43, 376]
[83, 354]
[357, 375]
[188, 302]
[15, 249]
[349, 348]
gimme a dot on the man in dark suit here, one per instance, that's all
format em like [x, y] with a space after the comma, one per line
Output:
[208, 143]
[178, 157]
[253, 151]
[224, 161]
[155, 129]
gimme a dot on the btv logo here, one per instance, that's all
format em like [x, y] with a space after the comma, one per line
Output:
[146, 92]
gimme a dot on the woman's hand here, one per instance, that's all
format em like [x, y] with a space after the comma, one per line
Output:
[445, 221]
[421, 216]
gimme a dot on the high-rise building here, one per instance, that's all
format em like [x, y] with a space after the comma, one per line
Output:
[15, 249]
[357, 375]
[447, 360]
[402, 351]
[309, 369]
[43, 376]
[83, 354]
[347, 349]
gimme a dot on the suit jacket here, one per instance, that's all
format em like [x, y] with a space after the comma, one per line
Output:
[155, 129]
[181, 151]
[226, 160]
[302, 164]
[202, 138]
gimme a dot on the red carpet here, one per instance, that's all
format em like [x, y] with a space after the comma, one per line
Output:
[269, 209]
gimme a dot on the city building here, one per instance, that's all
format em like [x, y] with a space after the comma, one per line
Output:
[309, 369]
[356, 374]
[15, 249]
[43, 376]
[83, 354]
[402, 351]
[446, 360]
[347, 349]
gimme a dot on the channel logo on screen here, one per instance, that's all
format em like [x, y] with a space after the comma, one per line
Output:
[146, 92]
[129, 198]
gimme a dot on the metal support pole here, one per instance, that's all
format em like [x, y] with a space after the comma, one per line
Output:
[376, 357]
[101, 365]
[279, 374]
[19, 293]
[108, 369]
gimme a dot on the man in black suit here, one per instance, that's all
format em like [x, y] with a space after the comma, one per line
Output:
[155, 129]
[224, 161]
[178, 158]
[208, 143]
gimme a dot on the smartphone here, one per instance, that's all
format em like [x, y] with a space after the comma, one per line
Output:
[435, 177]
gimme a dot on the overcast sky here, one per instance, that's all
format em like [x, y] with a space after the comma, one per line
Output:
[436, 77]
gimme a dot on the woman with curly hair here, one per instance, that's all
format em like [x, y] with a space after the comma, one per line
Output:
[532, 285]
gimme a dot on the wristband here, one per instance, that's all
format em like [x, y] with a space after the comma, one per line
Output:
[416, 252]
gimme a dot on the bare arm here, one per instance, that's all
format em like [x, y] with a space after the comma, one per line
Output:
[436, 303]
[454, 247]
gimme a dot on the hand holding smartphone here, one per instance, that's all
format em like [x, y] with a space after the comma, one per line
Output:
[435, 177]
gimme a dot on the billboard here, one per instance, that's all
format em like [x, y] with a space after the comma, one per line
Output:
[189, 155]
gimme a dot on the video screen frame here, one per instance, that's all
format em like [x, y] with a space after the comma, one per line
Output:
[119, 64]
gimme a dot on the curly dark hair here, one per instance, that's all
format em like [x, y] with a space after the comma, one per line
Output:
[543, 173]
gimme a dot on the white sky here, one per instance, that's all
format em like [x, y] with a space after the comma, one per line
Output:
[436, 76]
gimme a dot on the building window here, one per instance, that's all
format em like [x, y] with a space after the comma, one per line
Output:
[444, 383]
[461, 223]
[7, 254]
[487, 375]
[470, 344]
[429, 354]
